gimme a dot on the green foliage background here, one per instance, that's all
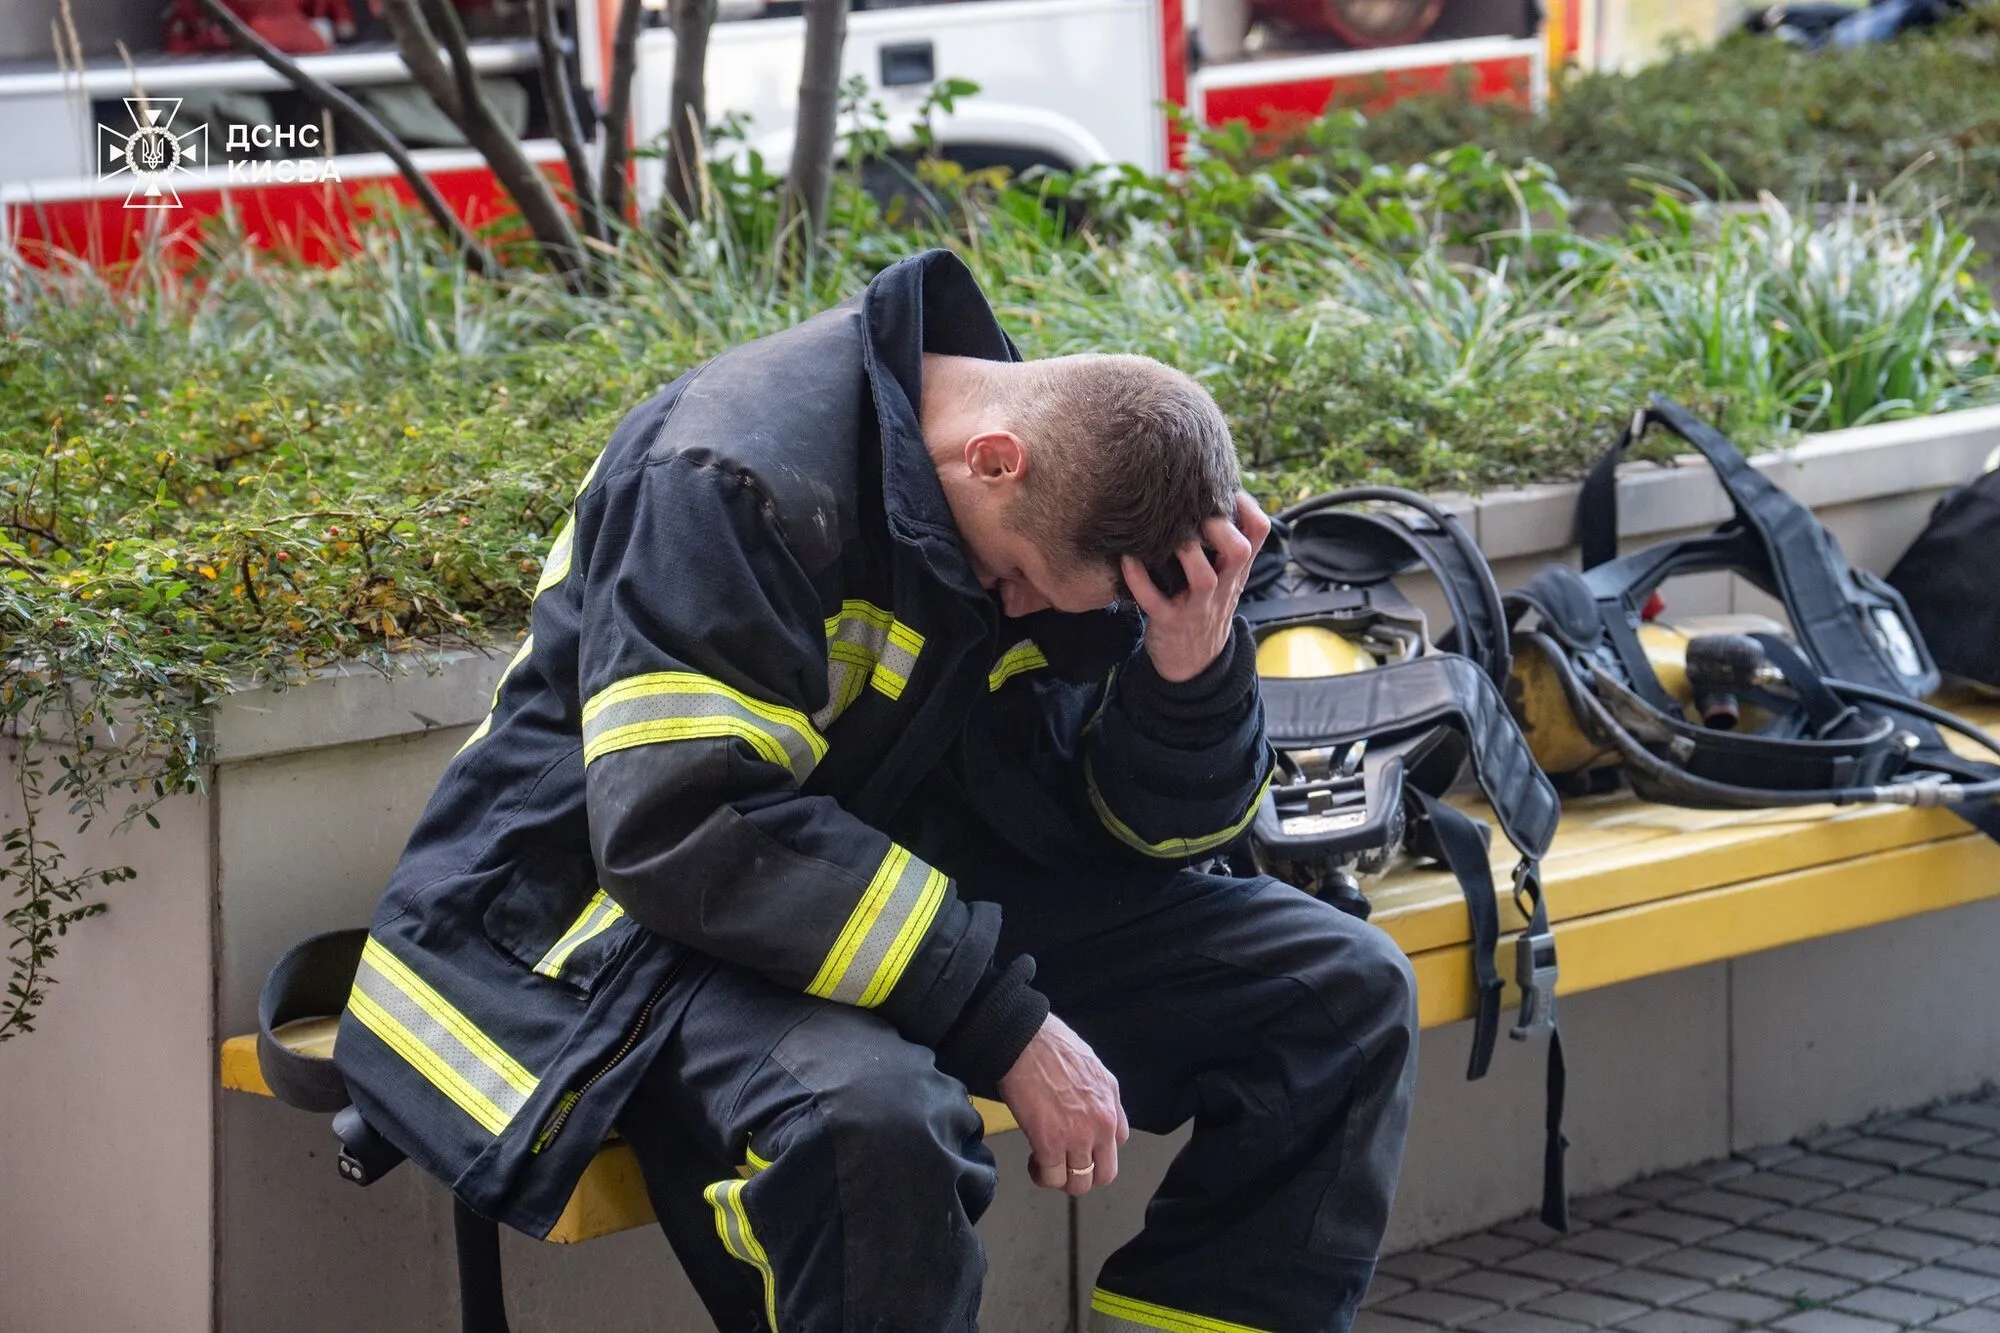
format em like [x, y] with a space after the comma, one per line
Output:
[1747, 115]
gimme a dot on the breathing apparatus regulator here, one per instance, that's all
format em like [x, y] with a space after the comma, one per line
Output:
[1374, 719]
[1734, 711]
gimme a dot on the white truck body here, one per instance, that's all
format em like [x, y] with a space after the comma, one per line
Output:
[1075, 81]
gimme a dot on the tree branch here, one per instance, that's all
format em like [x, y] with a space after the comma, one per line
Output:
[524, 182]
[419, 48]
[618, 109]
[378, 135]
[819, 105]
[562, 115]
[687, 104]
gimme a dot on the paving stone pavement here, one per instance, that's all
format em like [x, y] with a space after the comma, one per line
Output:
[1887, 1225]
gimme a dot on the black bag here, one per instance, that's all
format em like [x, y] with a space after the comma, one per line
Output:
[1947, 580]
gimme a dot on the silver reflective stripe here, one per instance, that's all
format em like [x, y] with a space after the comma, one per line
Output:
[437, 1040]
[681, 706]
[885, 929]
[844, 683]
[732, 1224]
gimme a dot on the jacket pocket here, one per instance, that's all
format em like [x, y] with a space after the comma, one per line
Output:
[559, 925]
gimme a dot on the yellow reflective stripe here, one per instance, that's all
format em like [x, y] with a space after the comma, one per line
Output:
[556, 568]
[681, 705]
[437, 1040]
[883, 933]
[732, 1224]
[584, 485]
[374, 954]
[1112, 1313]
[756, 1163]
[1171, 847]
[486, 723]
[866, 635]
[1023, 656]
[598, 916]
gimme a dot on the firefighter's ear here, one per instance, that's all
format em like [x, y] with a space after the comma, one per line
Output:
[996, 456]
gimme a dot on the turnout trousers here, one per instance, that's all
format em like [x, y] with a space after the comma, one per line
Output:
[816, 1173]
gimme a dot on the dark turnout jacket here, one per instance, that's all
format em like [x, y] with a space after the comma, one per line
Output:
[756, 650]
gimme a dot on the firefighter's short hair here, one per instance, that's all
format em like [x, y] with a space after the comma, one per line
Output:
[1128, 457]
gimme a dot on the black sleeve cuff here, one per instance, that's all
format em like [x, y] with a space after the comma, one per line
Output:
[996, 1025]
[1199, 712]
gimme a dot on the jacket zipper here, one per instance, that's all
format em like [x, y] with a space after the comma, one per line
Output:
[571, 1098]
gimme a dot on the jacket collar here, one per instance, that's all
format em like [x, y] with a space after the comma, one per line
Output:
[927, 303]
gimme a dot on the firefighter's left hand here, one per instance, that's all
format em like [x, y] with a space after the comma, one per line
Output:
[1186, 633]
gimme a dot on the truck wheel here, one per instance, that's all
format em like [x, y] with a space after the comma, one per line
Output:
[1368, 23]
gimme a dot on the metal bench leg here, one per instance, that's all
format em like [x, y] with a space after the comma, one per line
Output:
[482, 1298]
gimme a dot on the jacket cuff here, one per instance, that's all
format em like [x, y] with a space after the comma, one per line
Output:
[996, 1025]
[1202, 711]
[925, 1015]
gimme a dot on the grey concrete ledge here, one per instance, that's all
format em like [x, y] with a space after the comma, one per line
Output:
[1834, 468]
[355, 703]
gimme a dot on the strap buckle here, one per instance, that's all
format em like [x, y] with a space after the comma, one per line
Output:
[1535, 973]
[1535, 969]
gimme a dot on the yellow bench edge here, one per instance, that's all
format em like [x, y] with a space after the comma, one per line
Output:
[1732, 921]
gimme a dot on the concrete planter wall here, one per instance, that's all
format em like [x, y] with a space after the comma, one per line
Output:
[139, 1196]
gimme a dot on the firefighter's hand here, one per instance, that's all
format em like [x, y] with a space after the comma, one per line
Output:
[1066, 1102]
[1186, 633]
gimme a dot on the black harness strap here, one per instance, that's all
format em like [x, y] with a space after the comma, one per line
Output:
[1459, 690]
[1597, 502]
[1529, 965]
[1796, 559]
[1825, 712]
[1555, 1186]
[1464, 852]
[1326, 540]
[1811, 576]
[1812, 579]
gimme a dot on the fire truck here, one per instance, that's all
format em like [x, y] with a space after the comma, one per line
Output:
[99, 148]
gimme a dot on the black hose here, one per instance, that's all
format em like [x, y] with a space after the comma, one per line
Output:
[1901, 703]
[1638, 757]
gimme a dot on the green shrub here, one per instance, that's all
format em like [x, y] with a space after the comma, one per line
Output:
[1748, 115]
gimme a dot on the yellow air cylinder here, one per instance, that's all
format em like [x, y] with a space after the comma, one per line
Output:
[1536, 695]
[1305, 652]
[1542, 708]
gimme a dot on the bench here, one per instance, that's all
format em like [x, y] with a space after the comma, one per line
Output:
[1635, 890]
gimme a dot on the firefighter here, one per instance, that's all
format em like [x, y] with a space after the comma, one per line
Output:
[840, 774]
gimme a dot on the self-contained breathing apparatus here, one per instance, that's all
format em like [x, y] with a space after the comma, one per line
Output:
[1374, 719]
[1829, 711]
